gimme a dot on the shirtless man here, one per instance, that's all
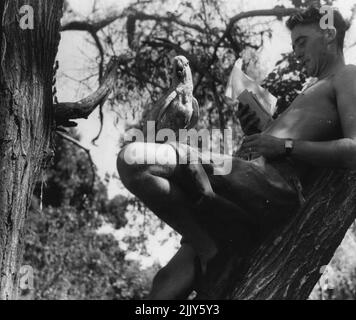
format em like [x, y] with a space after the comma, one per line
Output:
[212, 211]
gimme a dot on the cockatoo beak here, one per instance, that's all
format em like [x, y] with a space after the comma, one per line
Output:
[180, 69]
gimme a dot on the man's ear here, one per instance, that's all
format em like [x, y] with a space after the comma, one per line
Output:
[330, 35]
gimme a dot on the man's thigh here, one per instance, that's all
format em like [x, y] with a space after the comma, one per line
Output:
[257, 188]
[255, 183]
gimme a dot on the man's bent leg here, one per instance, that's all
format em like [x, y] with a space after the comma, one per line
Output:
[153, 185]
[156, 185]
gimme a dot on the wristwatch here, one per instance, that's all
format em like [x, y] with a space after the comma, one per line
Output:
[288, 146]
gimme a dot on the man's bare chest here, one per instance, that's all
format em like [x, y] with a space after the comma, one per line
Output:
[318, 94]
[317, 104]
[312, 115]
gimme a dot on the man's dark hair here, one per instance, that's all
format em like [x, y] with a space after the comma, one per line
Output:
[312, 15]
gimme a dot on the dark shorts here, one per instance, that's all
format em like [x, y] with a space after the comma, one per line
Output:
[268, 190]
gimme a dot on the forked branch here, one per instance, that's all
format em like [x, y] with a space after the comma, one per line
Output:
[64, 112]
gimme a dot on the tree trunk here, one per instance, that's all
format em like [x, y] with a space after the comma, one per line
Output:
[288, 264]
[26, 121]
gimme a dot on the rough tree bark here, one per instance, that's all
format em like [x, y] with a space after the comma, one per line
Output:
[287, 264]
[26, 121]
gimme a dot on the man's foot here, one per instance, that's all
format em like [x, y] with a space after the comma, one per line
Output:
[217, 270]
[207, 272]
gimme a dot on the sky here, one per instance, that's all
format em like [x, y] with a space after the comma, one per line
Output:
[75, 53]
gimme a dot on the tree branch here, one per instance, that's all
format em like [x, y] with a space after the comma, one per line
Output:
[133, 14]
[165, 43]
[196, 65]
[286, 264]
[82, 109]
[92, 26]
[141, 16]
[278, 11]
[101, 53]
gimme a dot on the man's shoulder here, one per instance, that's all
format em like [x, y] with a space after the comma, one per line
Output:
[348, 68]
[345, 76]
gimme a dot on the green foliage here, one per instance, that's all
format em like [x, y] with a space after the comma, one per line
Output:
[285, 81]
[72, 261]
[115, 208]
[72, 183]
[339, 278]
[70, 258]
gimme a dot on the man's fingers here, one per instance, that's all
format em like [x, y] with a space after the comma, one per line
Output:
[248, 117]
[243, 106]
[242, 109]
[252, 124]
[245, 111]
[249, 122]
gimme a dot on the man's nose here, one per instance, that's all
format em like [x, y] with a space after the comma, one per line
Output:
[299, 54]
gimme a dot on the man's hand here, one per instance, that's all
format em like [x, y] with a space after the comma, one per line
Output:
[248, 119]
[263, 145]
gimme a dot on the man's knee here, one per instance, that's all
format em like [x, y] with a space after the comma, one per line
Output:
[138, 158]
[128, 165]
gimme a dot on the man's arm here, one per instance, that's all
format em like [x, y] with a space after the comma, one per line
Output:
[338, 153]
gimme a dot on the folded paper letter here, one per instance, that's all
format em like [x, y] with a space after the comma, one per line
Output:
[245, 90]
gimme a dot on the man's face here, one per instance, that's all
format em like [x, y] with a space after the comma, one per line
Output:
[310, 47]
